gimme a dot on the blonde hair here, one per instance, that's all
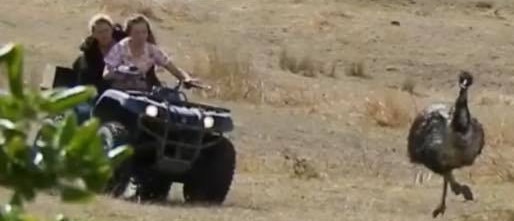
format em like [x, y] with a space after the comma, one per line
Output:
[98, 19]
[136, 19]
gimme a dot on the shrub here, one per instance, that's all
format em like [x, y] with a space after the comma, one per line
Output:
[73, 160]
[389, 110]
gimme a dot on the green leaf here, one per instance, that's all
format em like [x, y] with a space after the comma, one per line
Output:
[46, 133]
[119, 154]
[74, 194]
[25, 187]
[67, 99]
[61, 217]
[16, 199]
[69, 151]
[5, 50]
[9, 129]
[96, 181]
[67, 131]
[12, 54]
[14, 146]
[14, 213]
[85, 135]
[6, 124]
[84, 150]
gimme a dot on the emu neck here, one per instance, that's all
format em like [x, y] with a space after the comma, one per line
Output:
[461, 116]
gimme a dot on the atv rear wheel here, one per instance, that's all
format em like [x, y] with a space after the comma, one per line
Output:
[210, 179]
[114, 134]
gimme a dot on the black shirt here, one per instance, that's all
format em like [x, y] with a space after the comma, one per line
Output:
[90, 64]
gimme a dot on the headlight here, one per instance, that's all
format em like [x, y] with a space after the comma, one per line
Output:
[208, 122]
[152, 111]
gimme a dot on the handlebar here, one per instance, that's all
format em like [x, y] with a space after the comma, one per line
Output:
[188, 85]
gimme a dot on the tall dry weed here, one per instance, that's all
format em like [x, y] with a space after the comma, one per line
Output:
[357, 69]
[304, 62]
[230, 69]
[390, 109]
[231, 73]
[499, 154]
[408, 85]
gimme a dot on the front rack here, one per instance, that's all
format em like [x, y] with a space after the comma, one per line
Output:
[160, 130]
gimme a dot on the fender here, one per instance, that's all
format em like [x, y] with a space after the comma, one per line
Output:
[116, 104]
[120, 104]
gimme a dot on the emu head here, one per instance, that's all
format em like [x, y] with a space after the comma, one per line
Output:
[465, 79]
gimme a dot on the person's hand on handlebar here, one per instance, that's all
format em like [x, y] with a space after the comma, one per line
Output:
[190, 82]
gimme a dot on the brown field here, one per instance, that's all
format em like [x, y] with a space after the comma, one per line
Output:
[322, 93]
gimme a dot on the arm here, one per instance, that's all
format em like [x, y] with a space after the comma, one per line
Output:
[164, 61]
[177, 72]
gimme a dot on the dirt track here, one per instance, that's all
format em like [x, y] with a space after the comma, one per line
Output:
[356, 169]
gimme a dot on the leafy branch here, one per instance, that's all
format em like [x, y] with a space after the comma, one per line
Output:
[64, 156]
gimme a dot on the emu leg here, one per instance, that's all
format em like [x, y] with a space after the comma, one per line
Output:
[442, 207]
[458, 188]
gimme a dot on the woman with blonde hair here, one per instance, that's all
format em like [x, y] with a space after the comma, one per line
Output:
[139, 52]
[104, 34]
[89, 65]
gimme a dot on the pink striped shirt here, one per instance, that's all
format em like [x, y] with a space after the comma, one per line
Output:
[120, 54]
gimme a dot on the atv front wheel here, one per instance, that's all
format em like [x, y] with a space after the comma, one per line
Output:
[151, 186]
[210, 179]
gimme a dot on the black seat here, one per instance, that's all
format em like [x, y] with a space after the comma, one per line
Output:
[64, 77]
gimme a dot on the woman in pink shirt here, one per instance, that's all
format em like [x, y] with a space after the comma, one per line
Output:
[138, 50]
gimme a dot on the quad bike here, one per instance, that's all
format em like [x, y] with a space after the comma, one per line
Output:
[174, 141]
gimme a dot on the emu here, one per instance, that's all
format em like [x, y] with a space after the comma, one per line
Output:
[444, 138]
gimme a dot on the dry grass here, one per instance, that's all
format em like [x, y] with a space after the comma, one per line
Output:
[160, 11]
[304, 64]
[499, 128]
[287, 61]
[288, 162]
[491, 98]
[297, 64]
[280, 96]
[262, 190]
[229, 69]
[248, 162]
[484, 5]
[230, 73]
[356, 69]
[332, 72]
[408, 85]
[300, 167]
[502, 166]
[495, 214]
[185, 11]
[129, 7]
[307, 66]
[488, 100]
[391, 109]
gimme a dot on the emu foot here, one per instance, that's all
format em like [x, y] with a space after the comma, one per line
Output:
[466, 191]
[439, 210]
[458, 189]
